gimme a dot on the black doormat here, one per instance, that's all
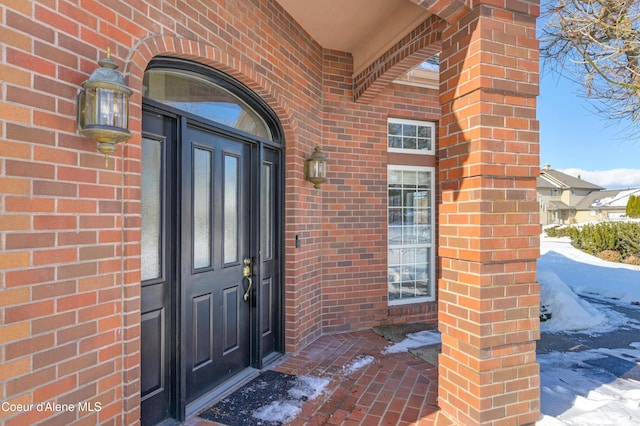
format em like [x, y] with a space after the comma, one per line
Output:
[263, 394]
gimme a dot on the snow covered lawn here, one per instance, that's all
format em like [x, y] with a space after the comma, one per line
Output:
[599, 386]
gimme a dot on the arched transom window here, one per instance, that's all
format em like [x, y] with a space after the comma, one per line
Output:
[194, 94]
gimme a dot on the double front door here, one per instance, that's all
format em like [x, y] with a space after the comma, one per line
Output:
[211, 302]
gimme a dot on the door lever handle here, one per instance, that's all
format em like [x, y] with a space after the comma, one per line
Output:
[246, 273]
[246, 293]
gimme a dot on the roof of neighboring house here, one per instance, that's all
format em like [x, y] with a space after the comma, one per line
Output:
[566, 181]
[614, 198]
[558, 205]
[544, 183]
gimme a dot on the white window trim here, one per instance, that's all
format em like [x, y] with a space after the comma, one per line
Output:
[417, 123]
[432, 256]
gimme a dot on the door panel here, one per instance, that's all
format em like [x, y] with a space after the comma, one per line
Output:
[215, 237]
[270, 293]
[230, 319]
[203, 332]
[152, 324]
[157, 273]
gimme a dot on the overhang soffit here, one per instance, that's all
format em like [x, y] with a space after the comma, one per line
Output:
[449, 10]
[367, 29]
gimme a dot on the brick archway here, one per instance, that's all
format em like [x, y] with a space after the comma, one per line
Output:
[150, 47]
[134, 68]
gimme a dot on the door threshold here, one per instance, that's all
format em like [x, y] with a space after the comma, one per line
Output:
[221, 391]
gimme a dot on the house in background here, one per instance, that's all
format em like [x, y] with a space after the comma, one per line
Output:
[560, 194]
[610, 204]
[566, 199]
[201, 251]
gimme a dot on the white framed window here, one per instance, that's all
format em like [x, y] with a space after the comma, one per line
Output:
[411, 249]
[411, 136]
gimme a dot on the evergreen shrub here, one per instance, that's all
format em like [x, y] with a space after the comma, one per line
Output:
[621, 237]
[556, 231]
[633, 206]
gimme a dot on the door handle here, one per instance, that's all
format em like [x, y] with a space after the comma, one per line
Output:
[246, 273]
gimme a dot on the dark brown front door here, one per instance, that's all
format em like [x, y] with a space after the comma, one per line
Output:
[216, 206]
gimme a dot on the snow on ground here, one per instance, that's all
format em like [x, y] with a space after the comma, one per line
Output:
[305, 389]
[414, 340]
[580, 388]
[357, 364]
[575, 392]
[569, 312]
[565, 272]
[576, 388]
[587, 274]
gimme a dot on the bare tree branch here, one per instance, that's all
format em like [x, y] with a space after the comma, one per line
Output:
[597, 42]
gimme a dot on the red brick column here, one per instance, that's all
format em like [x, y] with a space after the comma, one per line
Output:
[489, 225]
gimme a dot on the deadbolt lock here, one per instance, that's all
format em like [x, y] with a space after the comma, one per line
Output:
[246, 269]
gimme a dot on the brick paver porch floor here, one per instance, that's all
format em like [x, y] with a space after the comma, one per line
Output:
[394, 389]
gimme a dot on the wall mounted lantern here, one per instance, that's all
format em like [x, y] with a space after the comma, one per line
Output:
[103, 107]
[316, 168]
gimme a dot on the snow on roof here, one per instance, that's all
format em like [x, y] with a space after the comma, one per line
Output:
[615, 198]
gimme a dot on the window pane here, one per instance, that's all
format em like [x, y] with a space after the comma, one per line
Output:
[409, 143]
[199, 96]
[395, 142]
[424, 144]
[395, 235]
[265, 211]
[395, 216]
[424, 131]
[395, 129]
[230, 209]
[409, 178]
[408, 289]
[409, 130]
[394, 257]
[151, 261]
[201, 208]
[410, 219]
[408, 196]
[413, 136]
[409, 235]
[395, 177]
[423, 235]
[395, 197]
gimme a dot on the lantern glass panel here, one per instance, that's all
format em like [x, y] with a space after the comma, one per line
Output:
[106, 107]
[318, 169]
[90, 107]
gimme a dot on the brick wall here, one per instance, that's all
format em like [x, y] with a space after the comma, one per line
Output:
[354, 199]
[61, 298]
[70, 227]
